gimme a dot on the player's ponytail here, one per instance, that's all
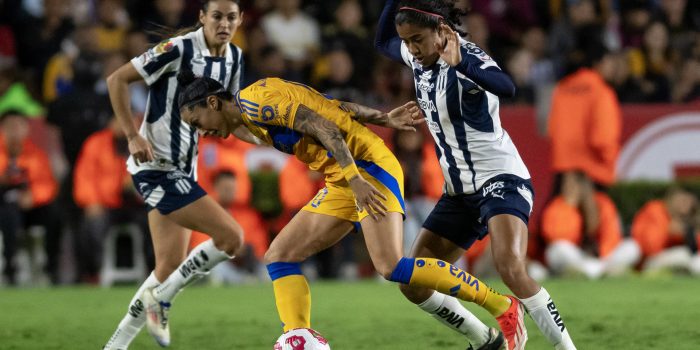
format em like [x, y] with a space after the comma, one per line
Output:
[430, 13]
[195, 90]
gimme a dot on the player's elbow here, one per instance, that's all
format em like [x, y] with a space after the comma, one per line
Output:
[113, 80]
[508, 90]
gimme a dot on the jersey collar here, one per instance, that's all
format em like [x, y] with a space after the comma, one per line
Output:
[201, 44]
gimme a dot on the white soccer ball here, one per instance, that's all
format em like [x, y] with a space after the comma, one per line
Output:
[301, 339]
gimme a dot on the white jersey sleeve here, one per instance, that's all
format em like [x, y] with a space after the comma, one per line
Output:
[159, 60]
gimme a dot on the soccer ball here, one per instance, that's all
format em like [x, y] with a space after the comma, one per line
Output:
[301, 339]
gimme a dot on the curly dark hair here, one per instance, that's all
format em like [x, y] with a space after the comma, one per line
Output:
[431, 13]
[195, 90]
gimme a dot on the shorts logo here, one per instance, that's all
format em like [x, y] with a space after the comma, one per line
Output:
[527, 194]
[176, 175]
[495, 189]
[183, 186]
[320, 196]
[143, 189]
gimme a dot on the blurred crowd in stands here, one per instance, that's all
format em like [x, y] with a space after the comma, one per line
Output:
[64, 186]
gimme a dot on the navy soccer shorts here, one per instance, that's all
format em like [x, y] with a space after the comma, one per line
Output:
[167, 191]
[463, 218]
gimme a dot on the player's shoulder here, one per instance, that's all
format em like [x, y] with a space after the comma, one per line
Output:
[472, 49]
[260, 92]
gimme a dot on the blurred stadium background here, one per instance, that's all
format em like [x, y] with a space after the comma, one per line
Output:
[69, 214]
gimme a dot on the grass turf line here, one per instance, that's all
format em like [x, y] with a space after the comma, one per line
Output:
[610, 314]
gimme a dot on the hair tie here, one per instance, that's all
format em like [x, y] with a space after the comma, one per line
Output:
[421, 11]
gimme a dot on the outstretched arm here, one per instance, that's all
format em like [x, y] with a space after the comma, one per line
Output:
[387, 40]
[310, 123]
[405, 117]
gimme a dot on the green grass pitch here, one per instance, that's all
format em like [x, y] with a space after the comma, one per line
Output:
[633, 313]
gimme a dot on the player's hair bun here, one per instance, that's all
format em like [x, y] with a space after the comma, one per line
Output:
[185, 77]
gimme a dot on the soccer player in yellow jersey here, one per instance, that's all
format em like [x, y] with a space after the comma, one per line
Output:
[364, 185]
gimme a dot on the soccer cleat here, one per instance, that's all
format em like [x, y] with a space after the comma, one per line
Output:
[109, 347]
[512, 324]
[157, 318]
[496, 341]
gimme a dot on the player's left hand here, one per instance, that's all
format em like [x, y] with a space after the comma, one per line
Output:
[368, 197]
[447, 45]
[405, 117]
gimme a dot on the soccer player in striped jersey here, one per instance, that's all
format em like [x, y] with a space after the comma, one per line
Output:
[487, 186]
[364, 187]
[163, 164]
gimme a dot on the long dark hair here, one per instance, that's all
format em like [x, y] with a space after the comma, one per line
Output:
[195, 90]
[430, 13]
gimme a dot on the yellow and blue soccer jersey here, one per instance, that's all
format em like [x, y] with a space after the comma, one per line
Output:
[269, 107]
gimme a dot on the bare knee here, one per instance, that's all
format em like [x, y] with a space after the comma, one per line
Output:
[282, 253]
[385, 267]
[512, 271]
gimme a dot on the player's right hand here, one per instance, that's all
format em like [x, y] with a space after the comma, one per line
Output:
[368, 197]
[140, 149]
[405, 117]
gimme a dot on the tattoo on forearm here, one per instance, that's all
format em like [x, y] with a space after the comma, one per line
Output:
[310, 123]
[365, 114]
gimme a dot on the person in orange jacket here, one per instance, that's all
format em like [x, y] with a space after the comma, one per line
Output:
[585, 124]
[105, 193]
[668, 232]
[571, 246]
[27, 191]
[256, 239]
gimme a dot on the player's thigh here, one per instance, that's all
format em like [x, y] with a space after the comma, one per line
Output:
[384, 240]
[428, 244]
[170, 242]
[207, 216]
[306, 234]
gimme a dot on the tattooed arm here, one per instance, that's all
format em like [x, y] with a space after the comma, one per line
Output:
[329, 135]
[402, 118]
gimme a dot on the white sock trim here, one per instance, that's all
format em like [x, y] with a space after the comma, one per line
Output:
[539, 300]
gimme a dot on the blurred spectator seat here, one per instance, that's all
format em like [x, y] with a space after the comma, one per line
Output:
[111, 271]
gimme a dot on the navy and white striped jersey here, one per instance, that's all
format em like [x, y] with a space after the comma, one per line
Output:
[463, 118]
[175, 142]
